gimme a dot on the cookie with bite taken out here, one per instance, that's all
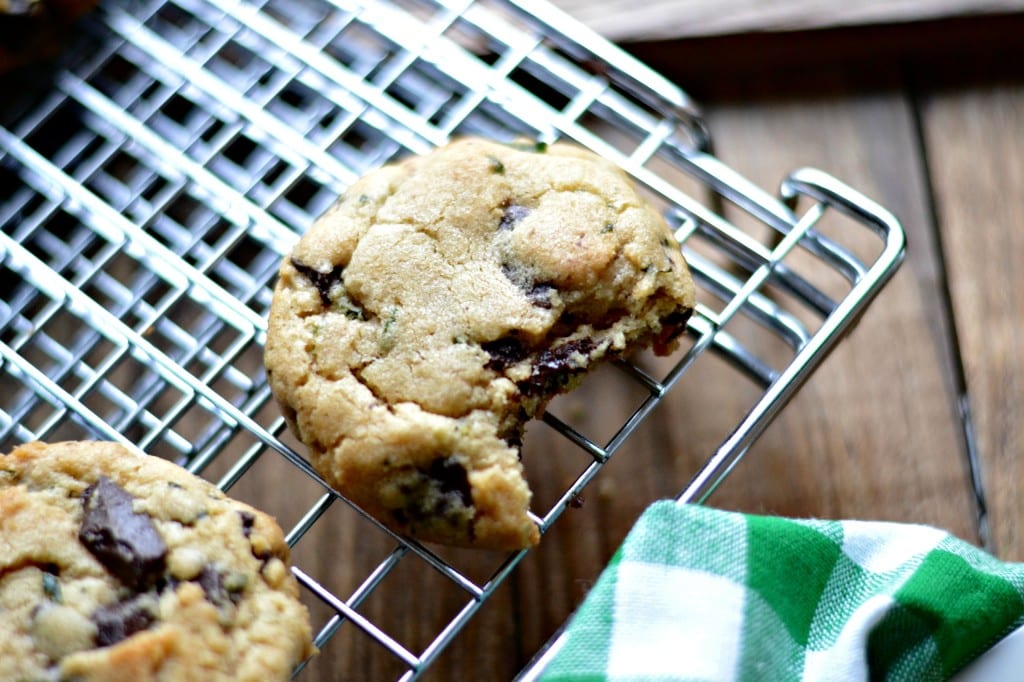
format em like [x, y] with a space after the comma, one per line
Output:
[441, 304]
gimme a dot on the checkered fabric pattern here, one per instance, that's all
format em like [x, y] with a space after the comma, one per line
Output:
[700, 594]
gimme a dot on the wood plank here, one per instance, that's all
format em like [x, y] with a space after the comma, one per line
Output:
[861, 53]
[668, 19]
[975, 141]
[874, 435]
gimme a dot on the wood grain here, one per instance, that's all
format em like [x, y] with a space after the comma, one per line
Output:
[873, 435]
[975, 143]
[858, 441]
[667, 19]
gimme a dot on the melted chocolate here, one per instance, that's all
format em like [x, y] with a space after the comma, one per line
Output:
[672, 325]
[433, 493]
[120, 621]
[248, 521]
[126, 543]
[212, 583]
[540, 295]
[512, 215]
[677, 320]
[553, 367]
[451, 478]
[323, 281]
[504, 353]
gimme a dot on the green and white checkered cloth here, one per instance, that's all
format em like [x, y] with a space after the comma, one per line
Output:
[700, 594]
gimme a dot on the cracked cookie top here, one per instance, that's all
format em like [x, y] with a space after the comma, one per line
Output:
[441, 303]
[117, 566]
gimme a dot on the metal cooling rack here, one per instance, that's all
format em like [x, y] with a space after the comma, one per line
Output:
[150, 186]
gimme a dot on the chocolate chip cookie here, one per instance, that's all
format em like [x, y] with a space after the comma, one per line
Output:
[117, 566]
[441, 304]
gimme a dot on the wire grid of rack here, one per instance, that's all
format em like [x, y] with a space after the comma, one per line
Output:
[150, 188]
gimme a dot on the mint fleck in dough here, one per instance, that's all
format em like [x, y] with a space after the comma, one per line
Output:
[51, 587]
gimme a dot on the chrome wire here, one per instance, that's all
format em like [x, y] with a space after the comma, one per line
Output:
[149, 191]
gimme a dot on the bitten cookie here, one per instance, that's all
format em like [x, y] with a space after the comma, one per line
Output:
[440, 305]
[116, 566]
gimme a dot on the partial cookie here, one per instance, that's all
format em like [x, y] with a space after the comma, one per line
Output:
[116, 566]
[441, 304]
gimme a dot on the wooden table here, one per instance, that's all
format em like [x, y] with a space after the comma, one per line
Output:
[916, 416]
[913, 418]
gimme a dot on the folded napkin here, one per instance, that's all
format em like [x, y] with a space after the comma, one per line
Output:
[700, 594]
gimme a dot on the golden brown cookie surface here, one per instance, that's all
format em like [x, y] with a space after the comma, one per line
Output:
[441, 303]
[116, 566]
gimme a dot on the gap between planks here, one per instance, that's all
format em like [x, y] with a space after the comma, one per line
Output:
[669, 19]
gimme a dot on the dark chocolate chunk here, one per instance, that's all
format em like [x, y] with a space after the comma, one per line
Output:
[213, 586]
[323, 281]
[677, 319]
[540, 295]
[126, 543]
[451, 478]
[515, 439]
[439, 493]
[166, 582]
[512, 215]
[557, 359]
[672, 325]
[504, 353]
[119, 621]
[248, 521]
[515, 276]
[552, 368]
